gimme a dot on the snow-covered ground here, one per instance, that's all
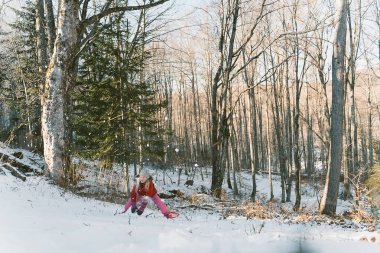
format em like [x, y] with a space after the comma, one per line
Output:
[37, 216]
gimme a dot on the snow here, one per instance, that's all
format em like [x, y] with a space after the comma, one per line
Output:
[37, 216]
[33, 160]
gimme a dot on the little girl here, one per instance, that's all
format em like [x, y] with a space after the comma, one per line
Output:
[142, 190]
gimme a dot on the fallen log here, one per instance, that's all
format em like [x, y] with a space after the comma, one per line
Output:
[204, 207]
[14, 172]
[15, 162]
[166, 196]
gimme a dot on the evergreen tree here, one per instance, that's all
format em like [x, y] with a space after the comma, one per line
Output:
[20, 80]
[111, 102]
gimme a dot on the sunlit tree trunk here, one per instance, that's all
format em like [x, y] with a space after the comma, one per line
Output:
[330, 194]
[59, 78]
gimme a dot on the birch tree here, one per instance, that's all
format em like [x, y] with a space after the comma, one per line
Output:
[73, 33]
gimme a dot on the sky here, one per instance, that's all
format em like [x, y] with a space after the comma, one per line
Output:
[7, 13]
[181, 7]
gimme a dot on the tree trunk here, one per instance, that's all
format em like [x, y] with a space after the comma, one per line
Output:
[261, 134]
[235, 158]
[127, 188]
[246, 134]
[216, 170]
[348, 157]
[254, 157]
[330, 195]
[370, 135]
[297, 153]
[288, 130]
[142, 24]
[229, 164]
[50, 23]
[196, 124]
[269, 156]
[59, 78]
[40, 30]
[364, 149]
[310, 147]
[252, 165]
[281, 153]
[219, 131]
[354, 44]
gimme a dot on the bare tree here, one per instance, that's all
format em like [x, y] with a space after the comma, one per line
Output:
[230, 51]
[219, 131]
[330, 194]
[300, 71]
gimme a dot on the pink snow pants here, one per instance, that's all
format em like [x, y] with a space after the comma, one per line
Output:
[143, 200]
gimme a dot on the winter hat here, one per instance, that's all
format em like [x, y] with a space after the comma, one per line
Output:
[144, 173]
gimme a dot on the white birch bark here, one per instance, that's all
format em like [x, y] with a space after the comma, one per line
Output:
[54, 129]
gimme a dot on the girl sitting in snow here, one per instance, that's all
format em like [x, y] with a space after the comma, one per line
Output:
[142, 191]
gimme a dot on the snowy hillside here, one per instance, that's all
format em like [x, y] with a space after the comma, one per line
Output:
[37, 216]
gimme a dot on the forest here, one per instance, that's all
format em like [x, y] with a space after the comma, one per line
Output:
[284, 92]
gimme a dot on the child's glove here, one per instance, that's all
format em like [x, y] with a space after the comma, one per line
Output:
[139, 212]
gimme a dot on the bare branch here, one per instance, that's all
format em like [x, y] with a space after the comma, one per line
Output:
[107, 11]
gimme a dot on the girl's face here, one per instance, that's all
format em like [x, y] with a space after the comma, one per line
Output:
[143, 179]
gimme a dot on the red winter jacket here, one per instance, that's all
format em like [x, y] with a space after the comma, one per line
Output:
[142, 190]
